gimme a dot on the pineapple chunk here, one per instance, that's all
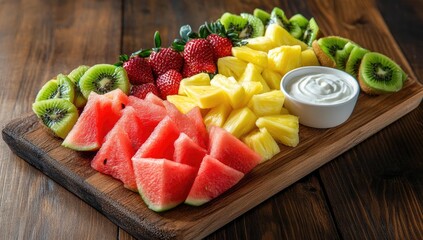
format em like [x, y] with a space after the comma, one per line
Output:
[250, 55]
[308, 58]
[217, 115]
[240, 122]
[280, 36]
[269, 103]
[284, 111]
[261, 43]
[251, 88]
[283, 128]
[234, 91]
[183, 103]
[285, 58]
[272, 78]
[206, 96]
[200, 79]
[260, 141]
[231, 66]
[253, 73]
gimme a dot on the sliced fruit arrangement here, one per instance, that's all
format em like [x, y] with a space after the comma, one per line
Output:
[184, 123]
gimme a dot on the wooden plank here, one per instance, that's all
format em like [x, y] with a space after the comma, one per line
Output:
[38, 40]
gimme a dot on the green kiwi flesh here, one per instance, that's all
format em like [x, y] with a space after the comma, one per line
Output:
[278, 16]
[341, 56]
[354, 59]
[233, 22]
[75, 75]
[300, 20]
[378, 74]
[262, 15]
[103, 78]
[311, 32]
[61, 87]
[326, 48]
[254, 27]
[59, 115]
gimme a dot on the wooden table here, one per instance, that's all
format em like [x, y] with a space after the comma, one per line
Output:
[372, 191]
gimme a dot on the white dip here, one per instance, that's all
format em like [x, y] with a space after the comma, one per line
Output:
[320, 88]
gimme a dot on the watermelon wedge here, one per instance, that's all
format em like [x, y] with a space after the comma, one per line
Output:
[152, 98]
[114, 157]
[160, 144]
[231, 151]
[162, 183]
[197, 118]
[188, 152]
[149, 114]
[213, 179]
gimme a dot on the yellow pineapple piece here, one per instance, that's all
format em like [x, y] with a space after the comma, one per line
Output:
[200, 79]
[231, 66]
[250, 55]
[206, 96]
[240, 121]
[283, 128]
[260, 141]
[252, 73]
[308, 58]
[268, 103]
[272, 78]
[280, 36]
[217, 115]
[251, 88]
[284, 111]
[183, 103]
[261, 43]
[234, 91]
[285, 58]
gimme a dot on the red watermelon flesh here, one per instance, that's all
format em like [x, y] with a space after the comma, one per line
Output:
[213, 178]
[114, 157]
[149, 114]
[231, 151]
[152, 98]
[132, 125]
[185, 124]
[119, 99]
[86, 134]
[160, 144]
[162, 183]
[188, 152]
[195, 115]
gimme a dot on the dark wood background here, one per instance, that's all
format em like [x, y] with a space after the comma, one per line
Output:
[373, 191]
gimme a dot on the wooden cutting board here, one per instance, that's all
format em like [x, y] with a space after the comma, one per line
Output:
[29, 140]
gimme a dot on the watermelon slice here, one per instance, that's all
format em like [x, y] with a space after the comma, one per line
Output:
[213, 179]
[149, 114]
[195, 115]
[152, 98]
[96, 120]
[114, 157]
[162, 183]
[119, 99]
[133, 126]
[188, 152]
[160, 144]
[186, 124]
[231, 151]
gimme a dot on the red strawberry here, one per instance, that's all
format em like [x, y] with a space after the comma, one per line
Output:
[168, 83]
[198, 56]
[138, 70]
[165, 59]
[141, 91]
[191, 69]
[222, 46]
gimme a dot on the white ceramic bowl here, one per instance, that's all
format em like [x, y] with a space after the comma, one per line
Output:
[319, 115]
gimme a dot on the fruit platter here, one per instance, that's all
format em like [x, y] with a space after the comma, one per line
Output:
[176, 141]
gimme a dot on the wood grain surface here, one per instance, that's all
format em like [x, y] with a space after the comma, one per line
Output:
[372, 191]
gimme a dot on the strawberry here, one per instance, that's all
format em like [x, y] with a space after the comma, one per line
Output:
[165, 59]
[141, 91]
[198, 56]
[222, 46]
[138, 70]
[168, 83]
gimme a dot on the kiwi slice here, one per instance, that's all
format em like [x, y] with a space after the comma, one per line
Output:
[57, 114]
[341, 56]
[354, 59]
[278, 16]
[61, 87]
[379, 74]
[311, 33]
[233, 22]
[300, 20]
[75, 75]
[103, 78]
[254, 27]
[262, 15]
[325, 49]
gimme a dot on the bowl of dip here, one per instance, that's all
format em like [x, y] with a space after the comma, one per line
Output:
[321, 97]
